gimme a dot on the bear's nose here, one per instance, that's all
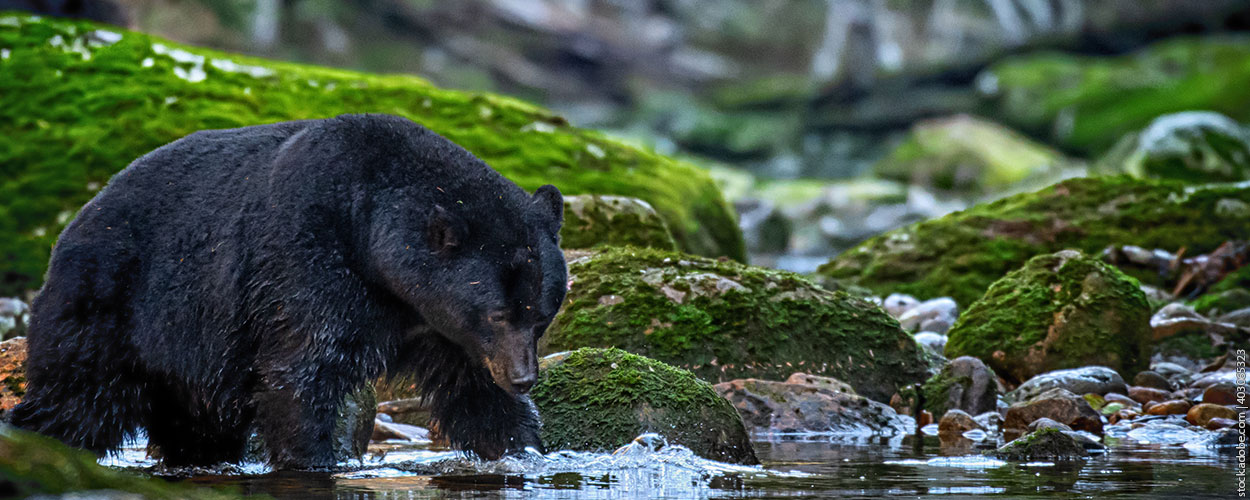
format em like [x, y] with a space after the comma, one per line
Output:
[523, 384]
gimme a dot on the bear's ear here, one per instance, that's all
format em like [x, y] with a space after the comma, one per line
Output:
[446, 231]
[550, 204]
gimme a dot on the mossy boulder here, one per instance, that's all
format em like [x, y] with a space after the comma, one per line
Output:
[601, 399]
[964, 384]
[592, 220]
[80, 101]
[1192, 146]
[1063, 310]
[1086, 103]
[960, 254]
[724, 320]
[1050, 443]
[31, 464]
[970, 156]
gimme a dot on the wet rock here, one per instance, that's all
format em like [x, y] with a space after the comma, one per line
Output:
[1063, 310]
[12, 373]
[601, 399]
[1115, 397]
[1192, 146]
[1220, 304]
[1202, 414]
[384, 429]
[1144, 395]
[1170, 407]
[1153, 380]
[1163, 432]
[1046, 423]
[1044, 444]
[1206, 380]
[830, 383]
[1239, 318]
[1085, 380]
[1178, 319]
[723, 320]
[990, 420]
[936, 342]
[1222, 393]
[1057, 404]
[410, 411]
[935, 315]
[897, 303]
[964, 384]
[591, 220]
[790, 407]
[952, 427]
[14, 316]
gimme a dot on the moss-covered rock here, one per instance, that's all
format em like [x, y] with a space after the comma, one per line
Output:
[1192, 146]
[601, 399]
[1064, 310]
[1216, 303]
[960, 254]
[592, 220]
[723, 320]
[970, 156]
[31, 464]
[1050, 443]
[1087, 103]
[79, 101]
[965, 384]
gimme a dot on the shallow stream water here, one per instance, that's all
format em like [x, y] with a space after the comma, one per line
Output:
[805, 467]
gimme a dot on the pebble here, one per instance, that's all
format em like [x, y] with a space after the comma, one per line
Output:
[1145, 395]
[1222, 393]
[1090, 379]
[1172, 407]
[896, 304]
[1153, 380]
[1202, 414]
[934, 315]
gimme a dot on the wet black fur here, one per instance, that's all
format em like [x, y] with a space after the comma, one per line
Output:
[259, 275]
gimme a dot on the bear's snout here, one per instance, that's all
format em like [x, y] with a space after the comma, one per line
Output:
[514, 365]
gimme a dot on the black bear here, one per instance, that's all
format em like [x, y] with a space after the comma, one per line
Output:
[261, 274]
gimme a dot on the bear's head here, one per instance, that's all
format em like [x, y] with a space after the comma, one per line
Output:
[485, 273]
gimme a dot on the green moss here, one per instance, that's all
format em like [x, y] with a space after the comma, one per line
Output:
[592, 220]
[1222, 302]
[31, 464]
[1191, 345]
[1047, 443]
[959, 255]
[1064, 310]
[76, 107]
[1193, 146]
[724, 320]
[1087, 103]
[968, 155]
[937, 391]
[1234, 280]
[601, 399]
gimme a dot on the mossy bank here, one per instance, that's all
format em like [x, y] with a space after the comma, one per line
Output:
[960, 254]
[79, 101]
[601, 399]
[723, 320]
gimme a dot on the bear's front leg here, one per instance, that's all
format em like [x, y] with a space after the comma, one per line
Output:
[476, 415]
[297, 423]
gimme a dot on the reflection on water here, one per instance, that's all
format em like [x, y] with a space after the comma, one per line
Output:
[793, 468]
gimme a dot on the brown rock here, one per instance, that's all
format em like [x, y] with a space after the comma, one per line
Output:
[12, 372]
[767, 405]
[1217, 423]
[1170, 407]
[1123, 416]
[1145, 395]
[1152, 379]
[1202, 414]
[1128, 402]
[954, 424]
[1059, 405]
[1222, 393]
